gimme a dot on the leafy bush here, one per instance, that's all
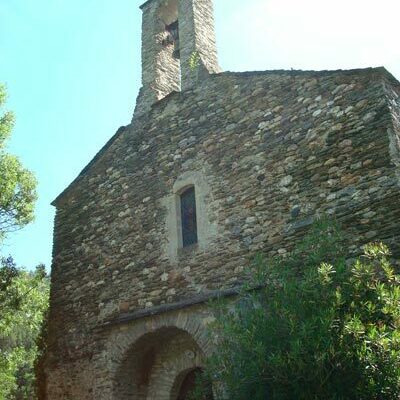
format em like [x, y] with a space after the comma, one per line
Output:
[311, 326]
[23, 302]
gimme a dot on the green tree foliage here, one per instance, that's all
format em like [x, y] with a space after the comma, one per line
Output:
[23, 295]
[23, 304]
[17, 184]
[312, 326]
[8, 272]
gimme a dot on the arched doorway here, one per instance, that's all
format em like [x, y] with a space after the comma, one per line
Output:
[160, 365]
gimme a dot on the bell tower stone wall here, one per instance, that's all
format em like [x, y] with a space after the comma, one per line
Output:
[178, 48]
[198, 45]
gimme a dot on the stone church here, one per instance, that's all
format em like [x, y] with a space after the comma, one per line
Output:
[214, 168]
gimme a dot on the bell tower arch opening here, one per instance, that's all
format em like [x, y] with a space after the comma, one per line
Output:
[168, 15]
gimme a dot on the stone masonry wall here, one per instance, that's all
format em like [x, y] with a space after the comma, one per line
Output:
[272, 149]
[393, 94]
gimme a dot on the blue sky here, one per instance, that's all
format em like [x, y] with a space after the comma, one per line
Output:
[72, 68]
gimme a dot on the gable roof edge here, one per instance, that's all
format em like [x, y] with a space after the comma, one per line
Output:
[99, 154]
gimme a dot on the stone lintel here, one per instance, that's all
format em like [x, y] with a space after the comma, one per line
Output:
[163, 308]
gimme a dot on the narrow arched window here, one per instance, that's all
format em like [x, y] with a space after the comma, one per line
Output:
[188, 217]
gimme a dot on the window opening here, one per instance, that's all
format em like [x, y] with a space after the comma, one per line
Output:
[173, 37]
[188, 217]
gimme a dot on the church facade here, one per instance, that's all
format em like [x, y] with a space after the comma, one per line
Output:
[214, 168]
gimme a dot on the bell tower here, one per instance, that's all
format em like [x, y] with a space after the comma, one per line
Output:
[178, 47]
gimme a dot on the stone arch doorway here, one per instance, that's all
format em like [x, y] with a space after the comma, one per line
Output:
[160, 365]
